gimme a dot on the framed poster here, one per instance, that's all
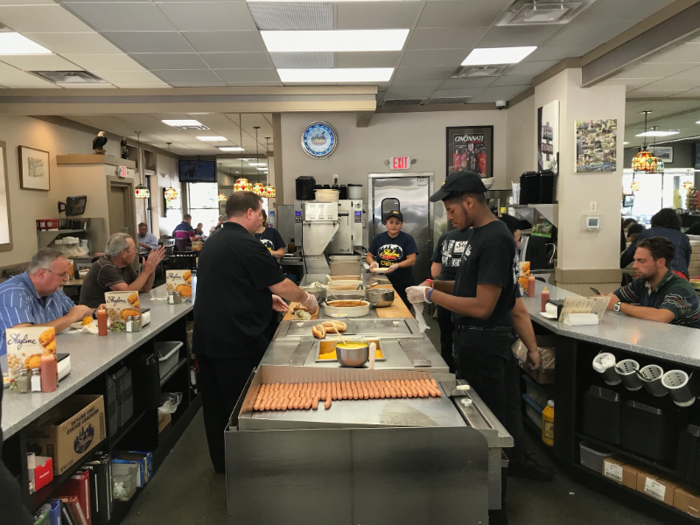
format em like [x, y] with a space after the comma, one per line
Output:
[470, 148]
[34, 169]
[548, 137]
[5, 224]
[663, 153]
[596, 145]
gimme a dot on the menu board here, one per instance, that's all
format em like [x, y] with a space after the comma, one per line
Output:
[180, 281]
[26, 345]
[121, 305]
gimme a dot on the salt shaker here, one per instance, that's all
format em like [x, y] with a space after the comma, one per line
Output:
[137, 323]
[129, 324]
[36, 380]
[171, 297]
[22, 381]
[177, 297]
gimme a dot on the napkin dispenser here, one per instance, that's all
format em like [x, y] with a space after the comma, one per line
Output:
[145, 316]
[555, 303]
[63, 361]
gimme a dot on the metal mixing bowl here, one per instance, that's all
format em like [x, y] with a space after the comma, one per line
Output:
[352, 357]
[380, 297]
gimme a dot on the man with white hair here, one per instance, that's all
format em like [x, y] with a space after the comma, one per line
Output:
[113, 271]
[36, 296]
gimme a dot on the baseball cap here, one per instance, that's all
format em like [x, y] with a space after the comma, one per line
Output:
[396, 214]
[459, 182]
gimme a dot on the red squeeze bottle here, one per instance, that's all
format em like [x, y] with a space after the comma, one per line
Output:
[102, 322]
[531, 286]
[49, 373]
[545, 298]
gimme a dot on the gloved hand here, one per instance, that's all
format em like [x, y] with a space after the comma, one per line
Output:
[417, 294]
[311, 303]
[373, 266]
[278, 304]
[392, 268]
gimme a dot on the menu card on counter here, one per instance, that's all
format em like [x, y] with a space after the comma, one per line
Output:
[121, 305]
[578, 305]
[26, 345]
[180, 281]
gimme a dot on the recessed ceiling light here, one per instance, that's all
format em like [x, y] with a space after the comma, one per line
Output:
[487, 56]
[16, 44]
[625, 143]
[335, 41]
[261, 169]
[182, 123]
[256, 164]
[212, 138]
[370, 74]
[657, 133]
[230, 148]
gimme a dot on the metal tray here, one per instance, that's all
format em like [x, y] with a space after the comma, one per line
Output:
[318, 351]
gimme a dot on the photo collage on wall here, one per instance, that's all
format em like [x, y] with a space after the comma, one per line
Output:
[596, 145]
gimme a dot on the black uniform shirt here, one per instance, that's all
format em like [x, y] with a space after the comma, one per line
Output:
[489, 258]
[449, 251]
[233, 304]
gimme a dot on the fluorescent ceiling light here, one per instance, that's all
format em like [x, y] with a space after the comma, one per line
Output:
[16, 44]
[261, 169]
[180, 123]
[625, 143]
[212, 138]
[369, 74]
[487, 56]
[231, 148]
[326, 1]
[657, 133]
[257, 164]
[335, 41]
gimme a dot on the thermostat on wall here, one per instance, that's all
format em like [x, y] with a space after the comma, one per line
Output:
[592, 222]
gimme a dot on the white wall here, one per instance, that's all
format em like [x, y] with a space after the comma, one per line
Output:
[521, 139]
[361, 151]
[166, 176]
[25, 205]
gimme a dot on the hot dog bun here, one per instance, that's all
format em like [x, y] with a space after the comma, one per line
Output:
[319, 331]
[334, 326]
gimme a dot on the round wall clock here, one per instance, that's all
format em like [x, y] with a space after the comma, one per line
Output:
[319, 140]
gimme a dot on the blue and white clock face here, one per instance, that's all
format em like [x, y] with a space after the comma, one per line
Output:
[319, 140]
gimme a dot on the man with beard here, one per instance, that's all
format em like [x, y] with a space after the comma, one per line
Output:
[658, 294]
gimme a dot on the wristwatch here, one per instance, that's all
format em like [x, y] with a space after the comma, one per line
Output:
[617, 306]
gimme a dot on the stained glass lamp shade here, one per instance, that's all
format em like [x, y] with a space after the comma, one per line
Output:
[142, 192]
[644, 162]
[170, 194]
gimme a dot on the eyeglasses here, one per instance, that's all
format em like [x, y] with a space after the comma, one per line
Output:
[63, 276]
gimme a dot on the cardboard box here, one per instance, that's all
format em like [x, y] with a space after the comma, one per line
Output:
[657, 487]
[26, 345]
[621, 472]
[121, 305]
[687, 499]
[163, 421]
[68, 431]
[180, 281]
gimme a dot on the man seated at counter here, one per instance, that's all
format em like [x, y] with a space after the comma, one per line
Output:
[36, 296]
[146, 240]
[658, 294]
[113, 271]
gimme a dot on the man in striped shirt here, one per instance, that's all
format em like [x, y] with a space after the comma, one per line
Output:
[36, 297]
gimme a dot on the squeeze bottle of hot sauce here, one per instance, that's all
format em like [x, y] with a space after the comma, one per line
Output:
[545, 297]
[531, 286]
[49, 372]
[102, 321]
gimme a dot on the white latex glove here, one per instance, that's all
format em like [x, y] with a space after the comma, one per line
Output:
[392, 268]
[278, 304]
[373, 266]
[311, 303]
[417, 294]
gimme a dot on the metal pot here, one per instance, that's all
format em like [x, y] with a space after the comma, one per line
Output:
[352, 357]
[318, 293]
[380, 297]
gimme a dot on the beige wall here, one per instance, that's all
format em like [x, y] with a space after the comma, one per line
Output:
[521, 139]
[166, 175]
[26, 206]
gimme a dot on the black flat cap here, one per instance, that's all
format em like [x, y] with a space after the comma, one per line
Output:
[459, 182]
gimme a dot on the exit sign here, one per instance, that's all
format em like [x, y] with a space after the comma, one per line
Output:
[400, 163]
[122, 171]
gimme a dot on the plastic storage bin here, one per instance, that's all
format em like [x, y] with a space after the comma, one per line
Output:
[592, 457]
[688, 461]
[649, 431]
[535, 391]
[602, 414]
[533, 411]
[168, 354]
[124, 480]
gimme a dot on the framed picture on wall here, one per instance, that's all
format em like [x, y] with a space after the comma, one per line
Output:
[5, 224]
[548, 137]
[663, 153]
[34, 169]
[596, 145]
[470, 148]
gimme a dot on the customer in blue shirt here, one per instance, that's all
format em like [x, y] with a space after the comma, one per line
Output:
[665, 223]
[396, 251]
[36, 297]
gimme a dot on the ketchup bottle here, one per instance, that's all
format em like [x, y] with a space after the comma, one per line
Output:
[49, 373]
[545, 298]
[102, 322]
[531, 286]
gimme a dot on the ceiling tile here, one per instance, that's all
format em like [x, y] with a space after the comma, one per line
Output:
[19, 79]
[138, 16]
[462, 83]
[23, 2]
[689, 52]
[253, 83]
[39, 63]
[248, 75]
[622, 11]
[658, 70]
[423, 73]
[204, 16]
[41, 18]
[644, 93]
[377, 15]
[425, 58]
[695, 93]
[98, 63]
[143, 86]
[462, 92]
[674, 83]
[171, 60]
[475, 13]
[513, 80]
[407, 94]
[237, 60]
[302, 60]
[218, 41]
[276, 16]
[374, 59]
[149, 41]
[492, 94]
[693, 72]
[588, 34]
[531, 68]
[421, 85]
[445, 38]
[186, 78]
[558, 52]
[75, 43]
[518, 36]
[142, 77]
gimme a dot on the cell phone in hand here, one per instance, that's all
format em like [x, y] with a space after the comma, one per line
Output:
[596, 291]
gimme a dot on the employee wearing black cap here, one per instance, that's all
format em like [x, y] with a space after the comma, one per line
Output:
[395, 250]
[481, 299]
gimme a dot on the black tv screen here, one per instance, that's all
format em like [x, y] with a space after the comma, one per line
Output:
[197, 171]
[75, 205]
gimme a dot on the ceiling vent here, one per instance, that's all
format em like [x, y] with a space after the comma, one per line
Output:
[480, 71]
[440, 101]
[71, 78]
[404, 102]
[292, 16]
[543, 12]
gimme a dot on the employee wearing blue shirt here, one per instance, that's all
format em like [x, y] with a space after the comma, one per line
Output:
[397, 251]
[36, 297]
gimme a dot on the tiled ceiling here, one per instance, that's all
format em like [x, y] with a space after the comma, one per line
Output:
[676, 115]
[181, 43]
[154, 132]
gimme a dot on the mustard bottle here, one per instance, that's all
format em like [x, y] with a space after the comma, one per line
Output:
[548, 424]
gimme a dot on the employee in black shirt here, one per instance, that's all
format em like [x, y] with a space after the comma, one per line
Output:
[481, 299]
[236, 280]
[397, 251]
[270, 237]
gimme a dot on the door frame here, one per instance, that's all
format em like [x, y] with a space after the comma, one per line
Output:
[403, 175]
[128, 184]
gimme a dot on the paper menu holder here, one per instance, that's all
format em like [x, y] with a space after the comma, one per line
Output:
[580, 305]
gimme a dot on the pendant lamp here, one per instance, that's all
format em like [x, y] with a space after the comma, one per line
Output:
[170, 193]
[644, 161]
